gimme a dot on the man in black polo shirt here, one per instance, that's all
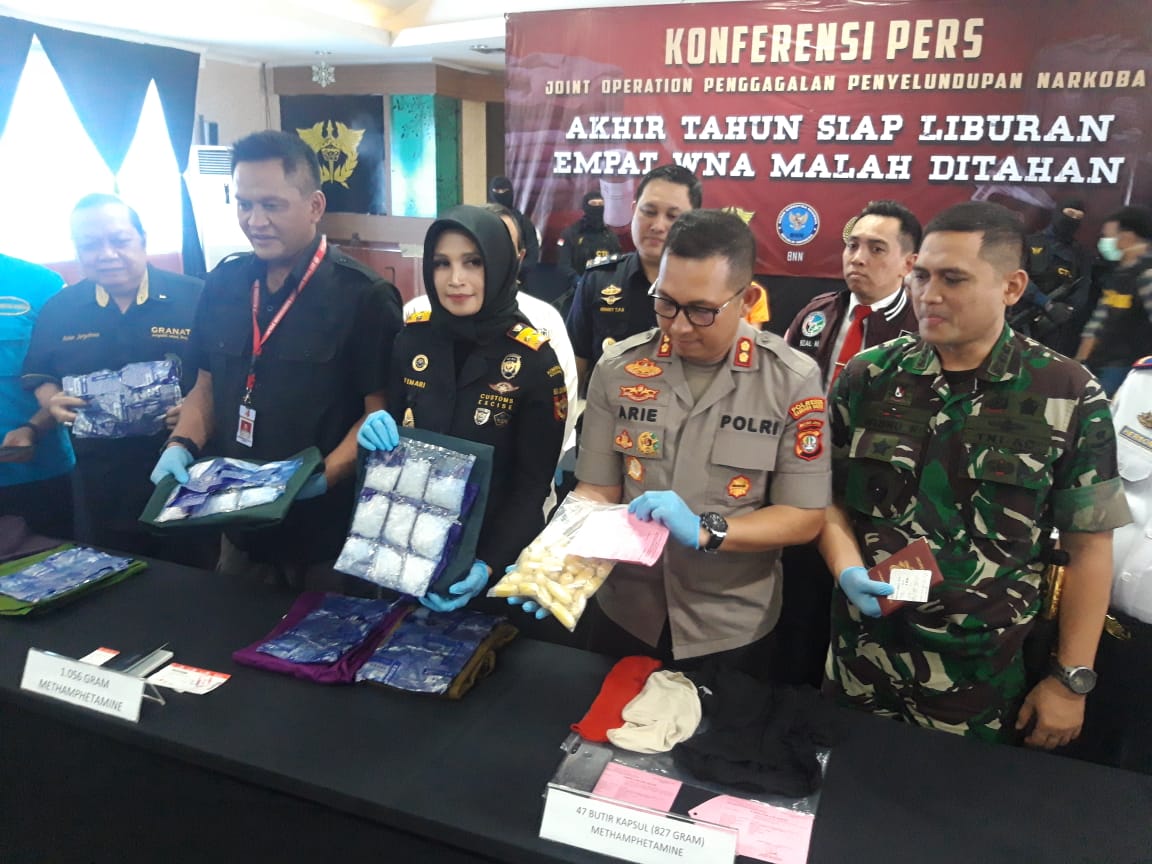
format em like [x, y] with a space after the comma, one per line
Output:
[323, 327]
[611, 301]
[124, 311]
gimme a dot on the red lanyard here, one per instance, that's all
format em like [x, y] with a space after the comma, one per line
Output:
[258, 338]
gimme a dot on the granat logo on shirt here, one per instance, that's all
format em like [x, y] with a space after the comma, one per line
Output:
[171, 333]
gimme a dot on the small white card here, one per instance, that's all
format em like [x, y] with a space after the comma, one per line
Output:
[188, 679]
[246, 426]
[100, 656]
[910, 585]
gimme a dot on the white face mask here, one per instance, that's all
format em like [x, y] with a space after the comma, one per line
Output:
[1109, 249]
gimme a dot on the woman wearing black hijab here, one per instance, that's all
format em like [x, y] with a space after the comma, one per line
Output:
[473, 367]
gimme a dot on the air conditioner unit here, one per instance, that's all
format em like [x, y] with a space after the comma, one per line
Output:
[210, 186]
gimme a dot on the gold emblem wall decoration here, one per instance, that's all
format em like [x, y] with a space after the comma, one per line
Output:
[336, 146]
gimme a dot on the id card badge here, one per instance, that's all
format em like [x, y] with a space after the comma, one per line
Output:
[246, 427]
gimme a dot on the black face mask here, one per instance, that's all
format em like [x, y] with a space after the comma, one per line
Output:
[593, 217]
[500, 192]
[1064, 227]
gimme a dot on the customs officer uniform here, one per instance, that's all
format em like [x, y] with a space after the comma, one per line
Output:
[507, 392]
[983, 465]
[1062, 271]
[1118, 714]
[330, 350]
[756, 436]
[611, 303]
[82, 330]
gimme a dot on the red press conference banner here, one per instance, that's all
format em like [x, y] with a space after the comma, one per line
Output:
[798, 115]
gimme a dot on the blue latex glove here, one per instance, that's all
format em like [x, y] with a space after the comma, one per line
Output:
[462, 592]
[378, 432]
[669, 510]
[530, 606]
[862, 591]
[313, 487]
[173, 462]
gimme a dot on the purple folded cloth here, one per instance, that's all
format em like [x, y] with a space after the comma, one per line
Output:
[342, 671]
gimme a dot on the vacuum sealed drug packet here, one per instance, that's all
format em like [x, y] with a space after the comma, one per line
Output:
[227, 485]
[125, 403]
[418, 512]
[546, 573]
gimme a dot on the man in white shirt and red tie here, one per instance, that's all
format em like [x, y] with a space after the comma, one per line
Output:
[879, 252]
[880, 248]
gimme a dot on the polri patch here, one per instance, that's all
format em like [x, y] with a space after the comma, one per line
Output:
[739, 486]
[644, 368]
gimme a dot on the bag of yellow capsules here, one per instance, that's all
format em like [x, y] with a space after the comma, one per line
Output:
[545, 572]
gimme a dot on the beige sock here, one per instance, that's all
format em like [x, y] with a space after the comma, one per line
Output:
[664, 713]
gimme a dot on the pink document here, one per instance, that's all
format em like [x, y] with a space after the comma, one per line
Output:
[633, 786]
[617, 535]
[766, 833]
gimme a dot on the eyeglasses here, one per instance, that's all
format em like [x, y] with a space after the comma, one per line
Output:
[698, 316]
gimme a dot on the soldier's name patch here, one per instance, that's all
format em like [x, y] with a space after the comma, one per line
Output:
[412, 382]
[635, 468]
[750, 424]
[624, 440]
[739, 486]
[420, 362]
[638, 393]
[645, 368]
[642, 415]
[806, 406]
[1136, 438]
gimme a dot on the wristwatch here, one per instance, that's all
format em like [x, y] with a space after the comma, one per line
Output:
[717, 528]
[1079, 679]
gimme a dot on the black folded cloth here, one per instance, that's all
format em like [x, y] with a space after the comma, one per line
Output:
[18, 541]
[759, 737]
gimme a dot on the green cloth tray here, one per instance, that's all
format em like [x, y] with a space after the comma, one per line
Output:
[262, 516]
[12, 606]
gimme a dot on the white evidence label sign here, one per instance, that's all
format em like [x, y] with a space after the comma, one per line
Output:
[632, 834]
[82, 684]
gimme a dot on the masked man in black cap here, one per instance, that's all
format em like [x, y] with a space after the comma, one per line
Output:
[500, 192]
[1060, 295]
[588, 238]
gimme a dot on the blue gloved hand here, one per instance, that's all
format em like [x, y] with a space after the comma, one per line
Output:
[863, 591]
[378, 432]
[174, 462]
[669, 510]
[529, 606]
[313, 487]
[462, 592]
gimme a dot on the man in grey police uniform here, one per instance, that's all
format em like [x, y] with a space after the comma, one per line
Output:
[717, 431]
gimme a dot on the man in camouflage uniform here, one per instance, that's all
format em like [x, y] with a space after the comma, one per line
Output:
[981, 441]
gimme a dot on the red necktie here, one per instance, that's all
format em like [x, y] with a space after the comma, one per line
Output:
[853, 339]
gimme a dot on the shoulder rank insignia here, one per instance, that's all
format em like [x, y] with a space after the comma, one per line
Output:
[419, 316]
[743, 357]
[529, 336]
[665, 349]
[601, 261]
